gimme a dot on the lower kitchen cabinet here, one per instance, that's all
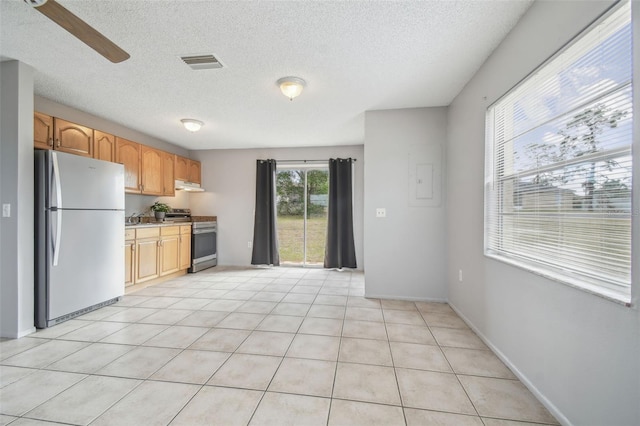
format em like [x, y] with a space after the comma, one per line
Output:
[152, 252]
[185, 247]
[169, 250]
[129, 257]
[147, 254]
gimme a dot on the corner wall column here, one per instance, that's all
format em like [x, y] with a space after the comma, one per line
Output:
[16, 190]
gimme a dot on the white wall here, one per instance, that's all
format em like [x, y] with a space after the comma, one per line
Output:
[406, 251]
[578, 352]
[16, 186]
[229, 178]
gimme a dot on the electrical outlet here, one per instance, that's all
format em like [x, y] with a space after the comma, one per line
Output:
[6, 210]
[381, 212]
[460, 275]
[250, 244]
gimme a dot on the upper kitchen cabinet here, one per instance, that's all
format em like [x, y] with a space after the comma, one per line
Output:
[42, 131]
[168, 174]
[151, 171]
[182, 168]
[104, 146]
[187, 170]
[72, 138]
[194, 171]
[128, 153]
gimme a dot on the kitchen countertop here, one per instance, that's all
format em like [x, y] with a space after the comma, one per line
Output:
[152, 224]
[148, 222]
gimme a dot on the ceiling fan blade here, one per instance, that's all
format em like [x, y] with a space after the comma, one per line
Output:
[83, 31]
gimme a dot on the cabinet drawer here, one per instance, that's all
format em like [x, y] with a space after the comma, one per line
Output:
[170, 230]
[129, 234]
[185, 229]
[148, 232]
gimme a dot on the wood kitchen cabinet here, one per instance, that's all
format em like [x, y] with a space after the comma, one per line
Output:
[54, 133]
[104, 146]
[151, 171]
[154, 252]
[182, 168]
[128, 153]
[148, 171]
[42, 131]
[188, 170]
[147, 250]
[185, 246]
[168, 174]
[169, 250]
[129, 257]
[72, 138]
[194, 171]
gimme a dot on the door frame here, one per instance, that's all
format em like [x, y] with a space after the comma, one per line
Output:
[306, 166]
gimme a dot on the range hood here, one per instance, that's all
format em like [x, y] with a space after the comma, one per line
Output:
[188, 186]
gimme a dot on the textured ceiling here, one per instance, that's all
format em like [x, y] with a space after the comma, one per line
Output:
[355, 56]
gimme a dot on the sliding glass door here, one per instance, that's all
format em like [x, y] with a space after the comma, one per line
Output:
[302, 197]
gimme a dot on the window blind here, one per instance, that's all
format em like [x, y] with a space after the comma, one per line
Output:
[558, 163]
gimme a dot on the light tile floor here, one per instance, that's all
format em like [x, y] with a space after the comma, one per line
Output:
[281, 346]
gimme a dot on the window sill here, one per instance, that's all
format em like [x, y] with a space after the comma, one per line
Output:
[610, 295]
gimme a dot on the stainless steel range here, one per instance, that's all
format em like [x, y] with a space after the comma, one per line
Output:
[204, 251]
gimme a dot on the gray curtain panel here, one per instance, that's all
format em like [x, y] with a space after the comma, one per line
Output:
[340, 249]
[265, 231]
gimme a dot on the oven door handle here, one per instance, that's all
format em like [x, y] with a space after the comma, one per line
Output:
[204, 231]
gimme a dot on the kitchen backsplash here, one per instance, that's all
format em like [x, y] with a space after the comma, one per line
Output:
[134, 203]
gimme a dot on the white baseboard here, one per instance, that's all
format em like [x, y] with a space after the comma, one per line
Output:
[410, 299]
[19, 334]
[523, 378]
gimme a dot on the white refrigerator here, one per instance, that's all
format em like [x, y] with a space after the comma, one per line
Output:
[79, 235]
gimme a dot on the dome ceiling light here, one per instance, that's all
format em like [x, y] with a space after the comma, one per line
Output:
[291, 86]
[192, 125]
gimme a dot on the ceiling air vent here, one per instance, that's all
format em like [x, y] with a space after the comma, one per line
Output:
[201, 62]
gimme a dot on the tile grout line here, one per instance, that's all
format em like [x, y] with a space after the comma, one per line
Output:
[395, 371]
[335, 371]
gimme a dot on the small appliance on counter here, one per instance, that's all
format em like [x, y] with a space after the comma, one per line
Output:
[204, 229]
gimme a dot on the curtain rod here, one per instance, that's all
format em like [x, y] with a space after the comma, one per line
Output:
[307, 161]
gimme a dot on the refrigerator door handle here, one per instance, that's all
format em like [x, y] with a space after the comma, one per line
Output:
[56, 179]
[56, 242]
[56, 209]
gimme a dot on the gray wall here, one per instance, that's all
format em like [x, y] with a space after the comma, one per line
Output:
[229, 177]
[578, 352]
[16, 185]
[406, 251]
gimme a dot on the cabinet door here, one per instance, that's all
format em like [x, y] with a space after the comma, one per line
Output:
[128, 153]
[151, 170]
[168, 174]
[146, 255]
[182, 168]
[42, 131]
[194, 171]
[73, 138]
[185, 250]
[104, 146]
[129, 262]
[169, 254]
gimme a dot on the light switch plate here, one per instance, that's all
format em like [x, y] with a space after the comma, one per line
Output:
[381, 212]
[6, 210]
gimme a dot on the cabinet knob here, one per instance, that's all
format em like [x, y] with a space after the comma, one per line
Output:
[50, 142]
[58, 143]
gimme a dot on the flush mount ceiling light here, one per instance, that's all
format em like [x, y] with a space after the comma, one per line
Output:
[291, 86]
[192, 125]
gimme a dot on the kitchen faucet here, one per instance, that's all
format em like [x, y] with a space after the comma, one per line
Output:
[136, 216]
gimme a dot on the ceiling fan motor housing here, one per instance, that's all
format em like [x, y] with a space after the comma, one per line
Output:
[35, 3]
